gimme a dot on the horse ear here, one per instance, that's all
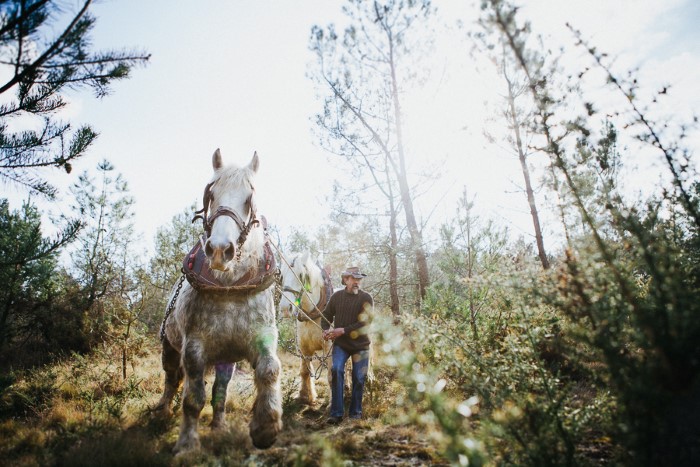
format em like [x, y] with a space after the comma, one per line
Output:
[216, 160]
[254, 163]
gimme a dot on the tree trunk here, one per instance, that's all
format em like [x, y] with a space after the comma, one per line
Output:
[393, 266]
[470, 275]
[526, 175]
[406, 201]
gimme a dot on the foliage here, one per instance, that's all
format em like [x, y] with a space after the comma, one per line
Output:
[628, 281]
[39, 69]
[32, 294]
[105, 265]
[469, 257]
[364, 73]
[172, 243]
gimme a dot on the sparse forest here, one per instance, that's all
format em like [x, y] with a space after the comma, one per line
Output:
[577, 344]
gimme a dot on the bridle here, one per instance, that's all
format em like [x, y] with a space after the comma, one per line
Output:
[208, 220]
[305, 286]
[304, 279]
[297, 295]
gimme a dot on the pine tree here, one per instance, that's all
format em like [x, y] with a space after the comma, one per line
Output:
[39, 68]
[27, 270]
[104, 260]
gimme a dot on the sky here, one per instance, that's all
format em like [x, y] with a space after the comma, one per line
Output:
[233, 75]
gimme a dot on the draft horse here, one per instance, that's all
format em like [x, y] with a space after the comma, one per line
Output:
[306, 289]
[225, 311]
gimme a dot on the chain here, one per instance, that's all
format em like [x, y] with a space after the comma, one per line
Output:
[292, 346]
[303, 291]
[171, 307]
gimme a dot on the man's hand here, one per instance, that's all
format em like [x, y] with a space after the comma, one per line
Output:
[331, 334]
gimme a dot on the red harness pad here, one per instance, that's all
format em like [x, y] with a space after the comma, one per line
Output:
[200, 276]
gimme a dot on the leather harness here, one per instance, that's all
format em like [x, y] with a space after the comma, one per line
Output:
[196, 268]
[326, 292]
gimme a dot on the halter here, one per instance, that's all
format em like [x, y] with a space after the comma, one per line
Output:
[325, 295]
[297, 294]
[208, 221]
[305, 286]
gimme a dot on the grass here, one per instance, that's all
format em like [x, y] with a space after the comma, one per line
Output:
[79, 411]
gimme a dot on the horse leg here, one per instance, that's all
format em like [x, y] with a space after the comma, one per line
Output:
[193, 397]
[307, 392]
[170, 359]
[266, 422]
[218, 393]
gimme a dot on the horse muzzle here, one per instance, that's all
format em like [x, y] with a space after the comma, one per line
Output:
[219, 253]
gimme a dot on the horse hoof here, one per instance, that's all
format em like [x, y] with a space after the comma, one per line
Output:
[264, 442]
[162, 411]
[185, 446]
[217, 425]
[306, 400]
[264, 437]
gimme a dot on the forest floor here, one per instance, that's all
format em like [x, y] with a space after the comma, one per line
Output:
[82, 412]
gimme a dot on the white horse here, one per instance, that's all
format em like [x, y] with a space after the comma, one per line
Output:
[306, 289]
[225, 312]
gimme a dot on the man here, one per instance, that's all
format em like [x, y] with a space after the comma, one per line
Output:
[349, 311]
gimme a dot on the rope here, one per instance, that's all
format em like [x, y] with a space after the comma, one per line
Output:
[323, 359]
[303, 291]
[292, 346]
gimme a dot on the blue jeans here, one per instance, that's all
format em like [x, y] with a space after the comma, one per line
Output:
[360, 362]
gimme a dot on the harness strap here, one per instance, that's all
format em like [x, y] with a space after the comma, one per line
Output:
[326, 292]
[200, 276]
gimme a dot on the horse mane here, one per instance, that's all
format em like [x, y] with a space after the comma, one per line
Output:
[233, 176]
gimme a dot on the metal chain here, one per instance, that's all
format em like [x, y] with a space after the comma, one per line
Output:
[303, 290]
[171, 307]
[292, 346]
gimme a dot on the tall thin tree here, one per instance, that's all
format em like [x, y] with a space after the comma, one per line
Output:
[364, 74]
[514, 117]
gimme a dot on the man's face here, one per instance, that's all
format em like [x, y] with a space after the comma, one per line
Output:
[352, 284]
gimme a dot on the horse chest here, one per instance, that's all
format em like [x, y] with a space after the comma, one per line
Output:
[225, 321]
[310, 336]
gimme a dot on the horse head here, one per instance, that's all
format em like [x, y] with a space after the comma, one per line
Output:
[229, 211]
[301, 285]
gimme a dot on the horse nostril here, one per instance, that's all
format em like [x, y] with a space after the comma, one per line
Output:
[208, 250]
[229, 251]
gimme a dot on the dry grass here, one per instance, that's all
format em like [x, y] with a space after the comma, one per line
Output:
[88, 415]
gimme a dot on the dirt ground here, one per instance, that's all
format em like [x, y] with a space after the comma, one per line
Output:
[306, 438]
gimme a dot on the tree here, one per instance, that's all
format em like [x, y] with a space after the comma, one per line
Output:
[172, 243]
[28, 271]
[39, 69]
[471, 252]
[515, 118]
[365, 73]
[629, 283]
[104, 259]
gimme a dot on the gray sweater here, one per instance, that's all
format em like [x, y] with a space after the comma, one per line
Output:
[352, 313]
